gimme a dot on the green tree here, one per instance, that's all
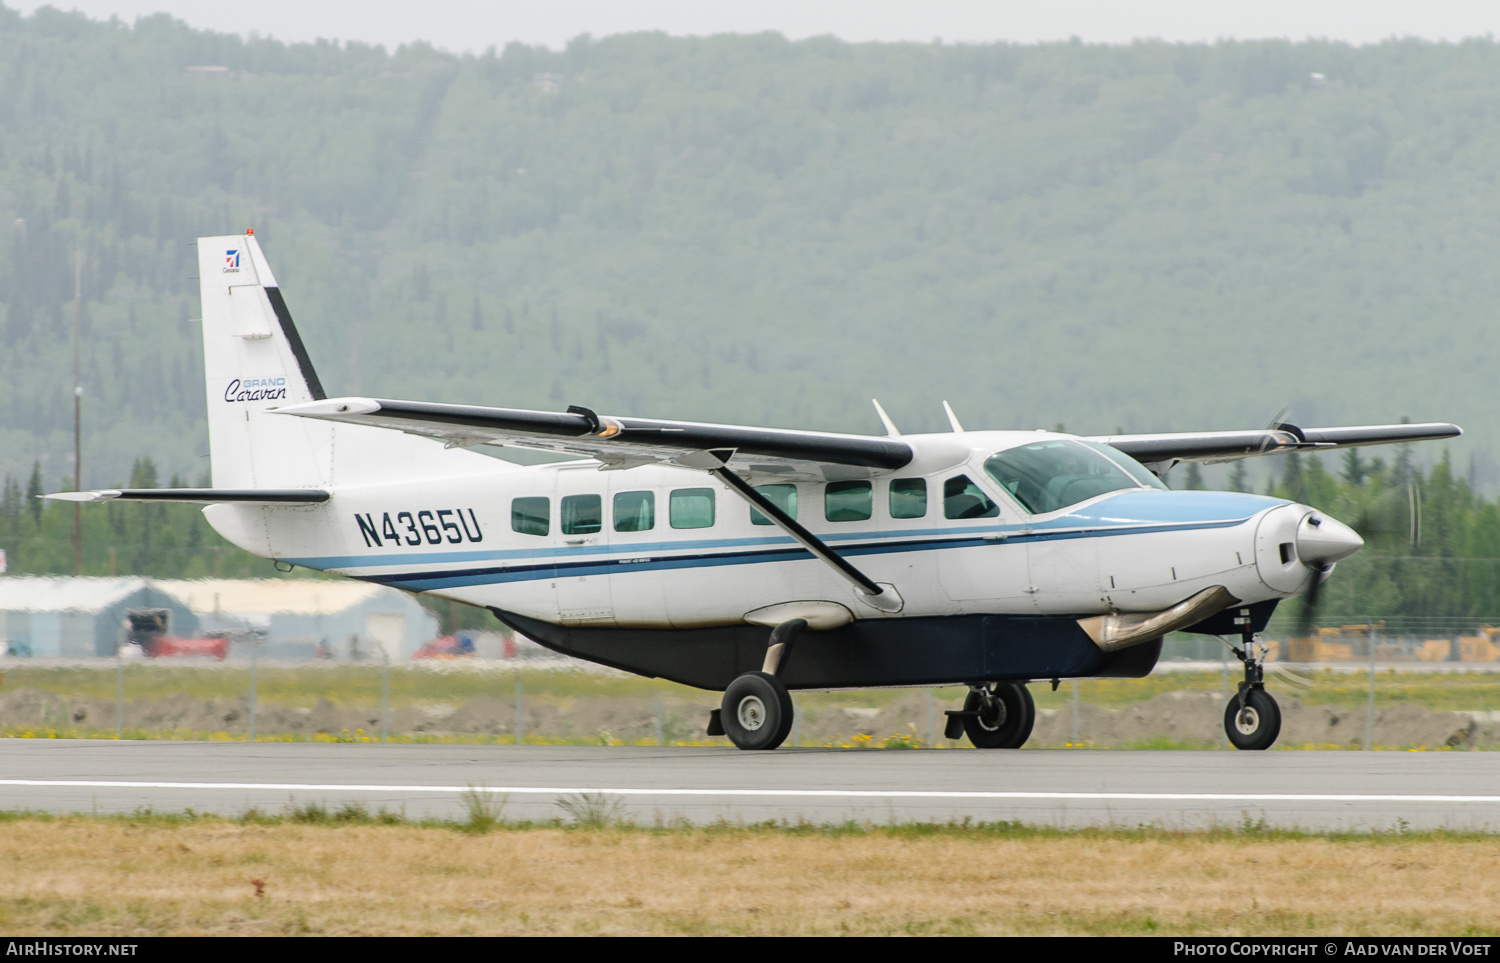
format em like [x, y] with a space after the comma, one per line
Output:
[1293, 482]
[34, 492]
[1355, 470]
[10, 508]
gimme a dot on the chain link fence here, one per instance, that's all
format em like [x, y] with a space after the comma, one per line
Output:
[487, 688]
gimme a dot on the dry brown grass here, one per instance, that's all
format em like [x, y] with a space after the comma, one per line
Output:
[84, 876]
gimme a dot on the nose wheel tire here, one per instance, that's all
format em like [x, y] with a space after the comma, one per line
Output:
[757, 711]
[1256, 724]
[1003, 720]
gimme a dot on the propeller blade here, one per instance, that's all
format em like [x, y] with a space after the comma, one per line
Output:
[1289, 676]
[1305, 624]
[1396, 513]
[1414, 498]
[1274, 421]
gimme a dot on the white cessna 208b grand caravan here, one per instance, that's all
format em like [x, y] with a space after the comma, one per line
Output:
[757, 560]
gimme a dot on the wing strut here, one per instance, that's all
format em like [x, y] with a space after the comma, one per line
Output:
[881, 597]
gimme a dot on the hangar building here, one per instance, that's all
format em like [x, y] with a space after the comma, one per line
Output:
[298, 617]
[55, 617]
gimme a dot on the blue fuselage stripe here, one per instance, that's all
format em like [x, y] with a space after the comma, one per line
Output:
[564, 563]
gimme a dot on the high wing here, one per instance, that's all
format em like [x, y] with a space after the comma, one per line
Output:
[1161, 451]
[627, 442]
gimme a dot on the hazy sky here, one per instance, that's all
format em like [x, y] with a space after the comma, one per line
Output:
[472, 26]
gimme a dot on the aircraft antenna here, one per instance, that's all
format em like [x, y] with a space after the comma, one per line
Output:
[953, 419]
[890, 426]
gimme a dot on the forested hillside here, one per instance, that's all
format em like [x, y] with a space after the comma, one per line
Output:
[753, 230]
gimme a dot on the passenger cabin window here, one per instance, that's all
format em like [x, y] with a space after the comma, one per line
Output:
[964, 499]
[635, 511]
[530, 516]
[582, 514]
[848, 501]
[691, 508]
[909, 498]
[783, 497]
[1051, 475]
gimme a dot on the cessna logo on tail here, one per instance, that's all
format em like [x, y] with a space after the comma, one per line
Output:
[232, 262]
[256, 389]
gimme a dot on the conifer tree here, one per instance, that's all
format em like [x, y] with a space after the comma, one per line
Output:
[1292, 479]
[34, 492]
[1355, 469]
[10, 507]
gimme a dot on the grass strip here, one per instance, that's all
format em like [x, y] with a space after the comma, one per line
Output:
[314, 870]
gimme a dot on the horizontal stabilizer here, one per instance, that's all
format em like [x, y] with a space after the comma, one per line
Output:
[195, 496]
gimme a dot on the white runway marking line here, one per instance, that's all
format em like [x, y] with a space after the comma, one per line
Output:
[765, 793]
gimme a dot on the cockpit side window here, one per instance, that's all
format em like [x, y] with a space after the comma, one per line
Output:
[964, 499]
[1050, 475]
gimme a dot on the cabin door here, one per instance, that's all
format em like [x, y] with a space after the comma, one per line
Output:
[583, 541]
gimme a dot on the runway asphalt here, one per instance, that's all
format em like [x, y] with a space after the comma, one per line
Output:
[1172, 789]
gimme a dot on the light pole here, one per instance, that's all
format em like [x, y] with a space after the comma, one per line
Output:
[77, 412]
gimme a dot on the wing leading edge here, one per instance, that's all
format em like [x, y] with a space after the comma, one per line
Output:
[1161, 451]
[626, 442]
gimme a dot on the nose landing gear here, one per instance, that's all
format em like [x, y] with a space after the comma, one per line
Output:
[1252, 719]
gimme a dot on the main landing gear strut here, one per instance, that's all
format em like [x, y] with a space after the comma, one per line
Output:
[1252, 719]
[757, 709]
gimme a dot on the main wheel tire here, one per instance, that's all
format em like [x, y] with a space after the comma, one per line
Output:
[756, 711]
[1008, 724]
[1257, 725]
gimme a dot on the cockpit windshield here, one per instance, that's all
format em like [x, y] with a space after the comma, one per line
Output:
[1059, 472]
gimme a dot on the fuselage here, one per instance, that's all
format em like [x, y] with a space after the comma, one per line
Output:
[668, 547]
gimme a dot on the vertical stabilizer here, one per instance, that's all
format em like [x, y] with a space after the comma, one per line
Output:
[254, 360]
